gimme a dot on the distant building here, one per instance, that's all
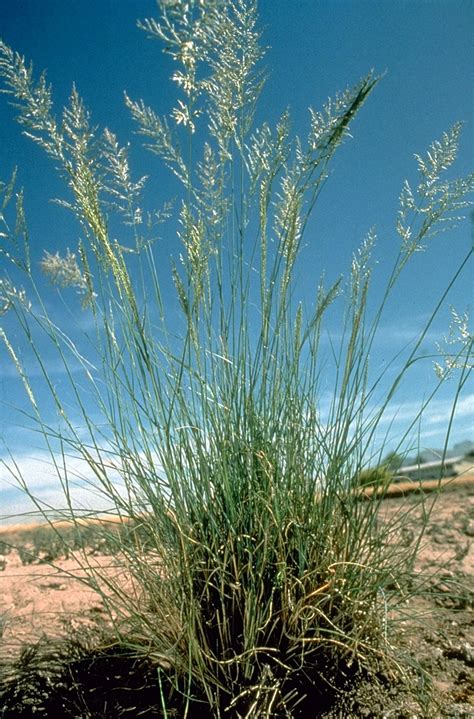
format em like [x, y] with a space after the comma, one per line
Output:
[449, 467]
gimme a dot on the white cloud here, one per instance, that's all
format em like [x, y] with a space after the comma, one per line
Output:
[406, 425]
[438, 411]
[430, 429]
[441, 412]
[38, 476]
[403, 331]
[21, 508]
[33, 369]
[46, 484]
[408, 332]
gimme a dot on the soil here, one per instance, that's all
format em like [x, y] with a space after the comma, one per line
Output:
[43, 597]
[439, 633]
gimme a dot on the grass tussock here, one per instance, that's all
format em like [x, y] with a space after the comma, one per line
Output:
[265, 585]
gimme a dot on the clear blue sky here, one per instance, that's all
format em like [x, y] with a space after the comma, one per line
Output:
[315, 48]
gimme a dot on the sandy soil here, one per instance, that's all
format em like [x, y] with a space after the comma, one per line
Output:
[440, 635]
[37, 598]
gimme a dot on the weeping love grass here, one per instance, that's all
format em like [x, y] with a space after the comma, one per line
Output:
[263, 581]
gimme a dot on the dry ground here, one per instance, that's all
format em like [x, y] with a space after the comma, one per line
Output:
[439, 630]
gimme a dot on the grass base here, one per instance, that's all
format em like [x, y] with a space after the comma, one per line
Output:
[75, 680]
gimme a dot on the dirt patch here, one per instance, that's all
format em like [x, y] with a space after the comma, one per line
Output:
[39, 600]
[438, 631]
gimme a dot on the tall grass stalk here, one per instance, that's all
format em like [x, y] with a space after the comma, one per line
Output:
[274, 582]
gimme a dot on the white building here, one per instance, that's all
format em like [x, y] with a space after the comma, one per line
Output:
[449, 467]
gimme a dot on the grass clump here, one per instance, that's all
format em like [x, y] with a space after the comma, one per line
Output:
[274, 585]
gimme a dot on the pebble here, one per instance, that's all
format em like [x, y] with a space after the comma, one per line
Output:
[469, 529]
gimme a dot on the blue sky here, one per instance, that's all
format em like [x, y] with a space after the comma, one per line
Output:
[315, 48]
